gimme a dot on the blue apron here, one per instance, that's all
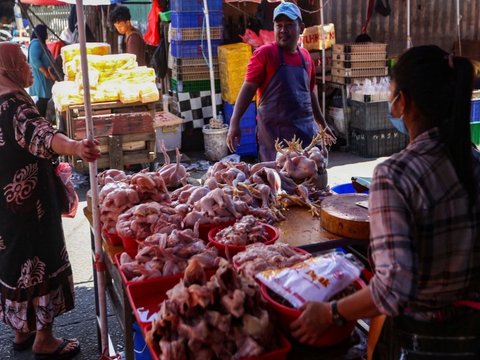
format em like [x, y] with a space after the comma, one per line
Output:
[285, 109]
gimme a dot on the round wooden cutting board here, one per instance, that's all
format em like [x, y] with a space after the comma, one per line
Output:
[341, 215]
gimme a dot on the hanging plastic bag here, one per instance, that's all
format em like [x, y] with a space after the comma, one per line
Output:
[267, 37]
[251, 38]
[67, 196]
[152, 35]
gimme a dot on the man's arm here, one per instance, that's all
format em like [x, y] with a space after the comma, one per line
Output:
[244, 99]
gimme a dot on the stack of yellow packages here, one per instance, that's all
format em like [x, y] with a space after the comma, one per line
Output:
[111, 77]
[233, 60]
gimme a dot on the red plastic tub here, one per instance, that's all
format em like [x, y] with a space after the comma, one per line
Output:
[112, 239]
[229, 251]
[286, 315]
[281, 353]
[204, 229]
[149, 295]
[130, 245]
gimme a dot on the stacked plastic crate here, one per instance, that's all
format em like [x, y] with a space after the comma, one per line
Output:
[233, 60]
[475, 119]
[358, 61]
[371, 132]
[189, 50]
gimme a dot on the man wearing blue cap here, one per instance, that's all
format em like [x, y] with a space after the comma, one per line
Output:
[284, 76]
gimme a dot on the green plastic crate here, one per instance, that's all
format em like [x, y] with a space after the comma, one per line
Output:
[475, 132]
[194, 85]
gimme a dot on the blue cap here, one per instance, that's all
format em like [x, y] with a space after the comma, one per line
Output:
[288, 9]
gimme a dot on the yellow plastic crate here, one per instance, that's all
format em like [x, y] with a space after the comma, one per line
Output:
[233, 60]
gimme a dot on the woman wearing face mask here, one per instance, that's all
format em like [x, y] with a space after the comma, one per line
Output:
[424, 210]
[36, 283]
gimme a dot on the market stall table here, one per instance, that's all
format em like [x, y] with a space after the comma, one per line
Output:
[299, 229]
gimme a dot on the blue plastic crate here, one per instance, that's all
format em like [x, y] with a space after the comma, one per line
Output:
[475, 113]
[195, 5]
[188, 49]
[248, 119]
[194, 19]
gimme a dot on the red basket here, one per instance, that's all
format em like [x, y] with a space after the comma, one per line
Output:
[204, 229]
[227, 250]
[130, 245]
[281, 353]
[112, 239]
[149, 294]
[286, 315]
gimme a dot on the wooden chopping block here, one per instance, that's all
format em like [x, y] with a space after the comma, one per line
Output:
[340, 215]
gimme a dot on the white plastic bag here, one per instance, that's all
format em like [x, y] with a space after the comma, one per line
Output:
[316, 279]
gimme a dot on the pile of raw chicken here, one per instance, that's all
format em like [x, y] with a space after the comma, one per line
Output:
[137, 206]
[222, 318]
[248, 230]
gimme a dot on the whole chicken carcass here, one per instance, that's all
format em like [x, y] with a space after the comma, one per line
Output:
[173, 174]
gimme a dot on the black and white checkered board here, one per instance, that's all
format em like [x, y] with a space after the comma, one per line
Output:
[196, 106]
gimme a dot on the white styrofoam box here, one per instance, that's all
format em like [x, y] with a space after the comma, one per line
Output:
[171, 135]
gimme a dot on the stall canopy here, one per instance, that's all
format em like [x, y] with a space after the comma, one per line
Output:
[55, 2]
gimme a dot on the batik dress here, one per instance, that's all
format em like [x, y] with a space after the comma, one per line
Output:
[36, 283]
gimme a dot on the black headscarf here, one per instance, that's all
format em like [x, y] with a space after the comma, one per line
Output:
[40, 32]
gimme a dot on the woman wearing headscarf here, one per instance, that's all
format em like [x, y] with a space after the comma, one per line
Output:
[36, 282]
[40, 62]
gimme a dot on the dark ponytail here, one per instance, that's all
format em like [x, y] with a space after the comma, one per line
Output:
[457, 131]
[441, 87]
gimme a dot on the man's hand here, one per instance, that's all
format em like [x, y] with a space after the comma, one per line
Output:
[316, 317]
[233, 137]
[330, 137]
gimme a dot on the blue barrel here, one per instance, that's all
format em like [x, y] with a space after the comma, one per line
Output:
[140, 348]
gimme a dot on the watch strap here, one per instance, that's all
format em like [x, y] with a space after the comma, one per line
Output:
[337, 318]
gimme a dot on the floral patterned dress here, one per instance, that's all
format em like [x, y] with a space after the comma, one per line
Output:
[36, 283]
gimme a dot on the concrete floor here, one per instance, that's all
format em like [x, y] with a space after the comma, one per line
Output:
[80, 322]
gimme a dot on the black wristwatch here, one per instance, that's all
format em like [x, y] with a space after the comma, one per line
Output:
[337, 318]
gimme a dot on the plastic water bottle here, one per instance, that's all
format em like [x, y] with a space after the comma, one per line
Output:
[220, 117]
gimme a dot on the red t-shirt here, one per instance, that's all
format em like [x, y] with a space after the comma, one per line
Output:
[265, 62]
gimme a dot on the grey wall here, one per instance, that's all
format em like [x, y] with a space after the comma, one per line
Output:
[432, 21]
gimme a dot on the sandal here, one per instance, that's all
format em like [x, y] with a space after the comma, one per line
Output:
[66, 350]
[25, 344]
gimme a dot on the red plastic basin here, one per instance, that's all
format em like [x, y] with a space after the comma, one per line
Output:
[286, 315]
[204, 229]
[281, 353]
[130, 245]
[229, 251]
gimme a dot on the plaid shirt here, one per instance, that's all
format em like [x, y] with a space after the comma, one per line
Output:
[425, 239]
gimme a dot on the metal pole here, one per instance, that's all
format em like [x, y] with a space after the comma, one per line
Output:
[322, 21]
[99, 263]
[459, 18]
[409, 37]
[210, 60]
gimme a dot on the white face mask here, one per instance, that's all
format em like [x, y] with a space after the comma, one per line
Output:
[399, 123]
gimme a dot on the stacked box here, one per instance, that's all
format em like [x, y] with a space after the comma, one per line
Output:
[358, 61]
[248, 126]
[189, 50]
[475, 113]
[375, 143]
[475, 133]
[233, 60]
[370, 116]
